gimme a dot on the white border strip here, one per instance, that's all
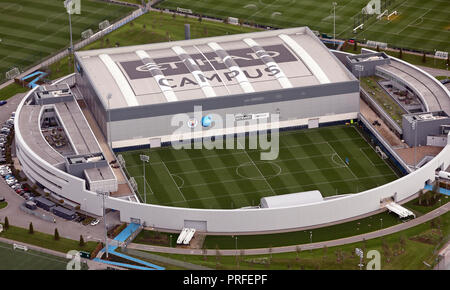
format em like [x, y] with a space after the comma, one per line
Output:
[120, 79]
[166, 90]
[240, 77]
[304, 55]
[280, 76]
[198, 75]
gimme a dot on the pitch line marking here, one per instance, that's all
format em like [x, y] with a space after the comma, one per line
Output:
[360, 149]
[240, 152]
[245, 150]
[343, 161]
[385, 162]
[413, 21]
[179, 190]
[182, 180]
[281, 174]
[233, 166]
[36, 255]
[146, 182]
[52, 34]
[285, 187]
[255, 178]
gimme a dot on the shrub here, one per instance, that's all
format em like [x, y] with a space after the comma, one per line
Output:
[82, 243]
[6, 225]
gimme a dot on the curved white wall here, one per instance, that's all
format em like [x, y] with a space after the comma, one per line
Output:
[240, 220]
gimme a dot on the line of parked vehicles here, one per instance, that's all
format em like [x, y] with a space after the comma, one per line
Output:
[5, 170]
[15, 185]
[4, 132]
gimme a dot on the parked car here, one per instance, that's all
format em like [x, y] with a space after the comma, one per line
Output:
[95, 222]
[11, 181]
[2, 199]
[2, 102]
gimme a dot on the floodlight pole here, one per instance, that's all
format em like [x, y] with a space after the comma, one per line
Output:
[109, 120]
[414, 125]
[334, 24]
[103, 195]
[68, 6]
[144, 159]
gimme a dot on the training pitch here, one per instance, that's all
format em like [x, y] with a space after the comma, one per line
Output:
[421, 25]
[31, 30]
[234, 178]
[28, 260]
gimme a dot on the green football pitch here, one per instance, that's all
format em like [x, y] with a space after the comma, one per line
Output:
[422, 25]
[28, 260]
[233, 178]
[31, 30]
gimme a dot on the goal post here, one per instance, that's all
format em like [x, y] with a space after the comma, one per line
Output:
[393, 13]
[380, 152]
[12, 73]
[87, 33]
[361, 26]
[104, 24]
[385, 12]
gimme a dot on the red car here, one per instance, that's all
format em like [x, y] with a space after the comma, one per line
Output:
[19, 191]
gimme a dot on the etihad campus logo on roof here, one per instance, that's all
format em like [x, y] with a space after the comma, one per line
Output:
[266, 125]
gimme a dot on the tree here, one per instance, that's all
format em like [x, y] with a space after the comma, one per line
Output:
[355, 46]
[56, 235]
[30, 229]
[174, 15]
[200, 18]
[400, 54]
[378, 48]
[448, 60]
[424, 57]
[6, 226]
[82, 243]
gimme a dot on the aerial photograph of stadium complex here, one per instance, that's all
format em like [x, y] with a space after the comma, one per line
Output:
[224, 135]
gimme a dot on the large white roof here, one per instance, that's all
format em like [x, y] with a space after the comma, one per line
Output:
[210, 67]
[292, 199]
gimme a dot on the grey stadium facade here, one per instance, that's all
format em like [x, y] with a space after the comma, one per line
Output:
[132, 93]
